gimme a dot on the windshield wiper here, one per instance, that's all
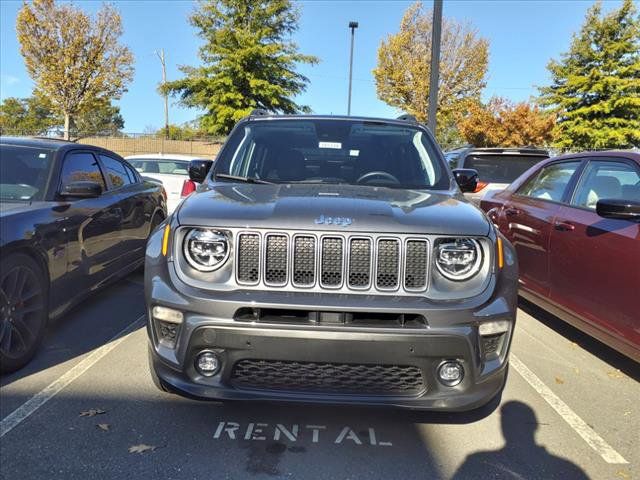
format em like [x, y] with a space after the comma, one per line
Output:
[237, 178]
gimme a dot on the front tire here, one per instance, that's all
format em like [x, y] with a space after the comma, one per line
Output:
[23, 310]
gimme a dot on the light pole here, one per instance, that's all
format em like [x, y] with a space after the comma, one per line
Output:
[352, 26]
[160, 55]
[435, 65]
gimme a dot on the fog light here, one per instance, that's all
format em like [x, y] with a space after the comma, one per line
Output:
[167, 314]
[207, 364]
[450, 373]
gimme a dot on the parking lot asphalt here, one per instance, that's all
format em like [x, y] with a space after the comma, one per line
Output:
[570, 409]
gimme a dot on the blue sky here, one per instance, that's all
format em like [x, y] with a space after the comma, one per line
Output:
[523, 36]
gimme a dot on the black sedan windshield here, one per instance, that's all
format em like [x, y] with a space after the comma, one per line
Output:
[24, 172]
[332, 151]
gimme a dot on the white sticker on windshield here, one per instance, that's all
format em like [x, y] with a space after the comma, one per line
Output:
[336, 145]
[354, 153]
[42, 155]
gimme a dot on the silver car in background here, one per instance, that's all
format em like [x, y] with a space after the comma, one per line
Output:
[496, 167]
[171, 169]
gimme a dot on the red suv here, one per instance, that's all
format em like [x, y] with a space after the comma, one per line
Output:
[575, 223]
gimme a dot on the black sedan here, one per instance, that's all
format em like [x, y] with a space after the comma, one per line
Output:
[72, 219]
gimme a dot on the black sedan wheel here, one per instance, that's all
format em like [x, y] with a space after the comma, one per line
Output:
[23, 311]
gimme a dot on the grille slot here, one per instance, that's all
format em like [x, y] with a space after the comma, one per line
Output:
[416, 264]
[388, 264]
[339, 378]
[248, 263]
[359, 262]
[276, 259]
[331, 262]
[304, 261]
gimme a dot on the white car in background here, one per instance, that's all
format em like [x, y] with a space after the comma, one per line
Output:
[169, 168]
[496, 167]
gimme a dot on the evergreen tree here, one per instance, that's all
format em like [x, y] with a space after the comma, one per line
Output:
[596, 86]
[249, 61]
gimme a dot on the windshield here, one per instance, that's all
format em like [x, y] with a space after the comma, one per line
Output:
[24, 172]
[333, 151]
[501, 168]
[164, 167]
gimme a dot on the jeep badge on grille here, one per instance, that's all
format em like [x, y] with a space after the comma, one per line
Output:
[341, 221]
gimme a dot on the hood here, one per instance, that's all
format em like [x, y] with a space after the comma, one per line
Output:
[333, 208]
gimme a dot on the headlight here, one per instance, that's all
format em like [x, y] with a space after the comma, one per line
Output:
[206, 250]
[458, 258]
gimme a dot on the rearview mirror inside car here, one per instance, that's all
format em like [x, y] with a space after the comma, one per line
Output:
[81, 189]
[466, 178]
[198, 169]
[618, 208]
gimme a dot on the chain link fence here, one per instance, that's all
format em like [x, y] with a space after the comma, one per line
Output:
[126, 144]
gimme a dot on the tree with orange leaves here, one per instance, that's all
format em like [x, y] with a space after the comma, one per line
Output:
[502, 123]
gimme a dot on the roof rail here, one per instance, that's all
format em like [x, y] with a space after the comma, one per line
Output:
[405, 117]
[259, 112]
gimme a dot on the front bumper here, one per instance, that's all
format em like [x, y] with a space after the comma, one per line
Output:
[451, 334]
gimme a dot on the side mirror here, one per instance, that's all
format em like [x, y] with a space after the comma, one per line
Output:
[81, 189]
[466, 178]
[198, 169]
[618, 208]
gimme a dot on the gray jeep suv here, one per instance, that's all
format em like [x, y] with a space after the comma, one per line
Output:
[331, 259]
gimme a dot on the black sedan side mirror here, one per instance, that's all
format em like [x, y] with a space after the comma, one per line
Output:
[466, 178]
[618, 208]
[198, 169]
[81, 189]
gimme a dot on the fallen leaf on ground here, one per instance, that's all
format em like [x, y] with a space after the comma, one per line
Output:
[92, 412]
[141, 448]
[559, 381]
[623, 474]
[615, 374]
[104, 426]
[626, 414]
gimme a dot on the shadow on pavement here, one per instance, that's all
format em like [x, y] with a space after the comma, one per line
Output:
[593, 346]
[521, 457]
[191, 439]
[87, 326]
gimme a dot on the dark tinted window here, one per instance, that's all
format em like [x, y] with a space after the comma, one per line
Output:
[551, 182]
[132, 173]
[116, 172]
[332, 151]
[607, 180]
[81, 166]
[503, 168]
[24, 172]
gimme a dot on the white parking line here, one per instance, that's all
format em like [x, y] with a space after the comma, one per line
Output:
[43, 396]
[594, 440]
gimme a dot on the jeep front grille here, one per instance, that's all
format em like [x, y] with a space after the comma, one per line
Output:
[338, 378]
[338, 262]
